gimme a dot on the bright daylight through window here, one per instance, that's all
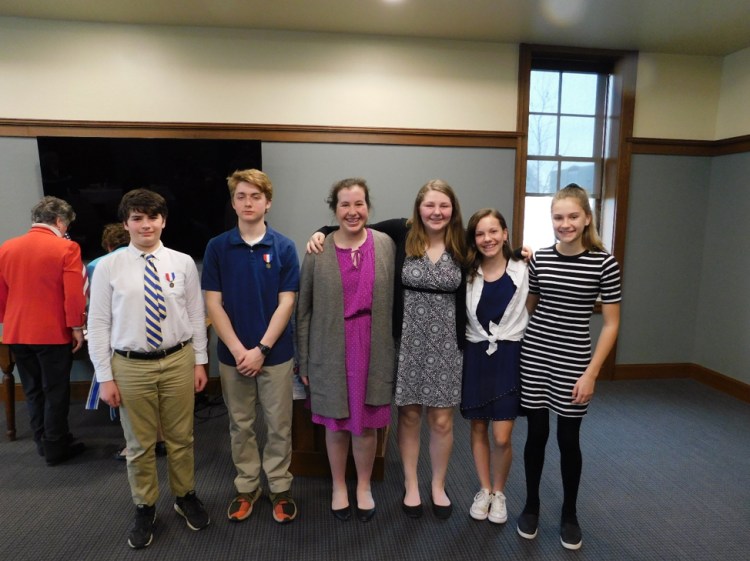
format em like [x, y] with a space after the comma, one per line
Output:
[567, 133]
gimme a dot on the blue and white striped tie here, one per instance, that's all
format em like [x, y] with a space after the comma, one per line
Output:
[155, 308]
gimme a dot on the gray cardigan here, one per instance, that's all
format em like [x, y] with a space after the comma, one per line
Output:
[320, 330]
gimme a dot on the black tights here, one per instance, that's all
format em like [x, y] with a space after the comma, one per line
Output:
[568, 429]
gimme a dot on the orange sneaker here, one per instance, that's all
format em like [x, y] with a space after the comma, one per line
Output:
[284, 507]
[241, 506]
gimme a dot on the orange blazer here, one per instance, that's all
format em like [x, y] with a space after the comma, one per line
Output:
[41, 288]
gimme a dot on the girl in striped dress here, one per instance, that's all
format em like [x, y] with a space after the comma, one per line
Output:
[558, 369]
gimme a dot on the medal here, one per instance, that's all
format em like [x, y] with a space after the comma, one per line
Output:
[267, 257]
[170, 279]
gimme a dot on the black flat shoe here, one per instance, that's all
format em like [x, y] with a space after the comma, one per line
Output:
[442, 512]
[365, 515]
[342, 514]
[415, 511]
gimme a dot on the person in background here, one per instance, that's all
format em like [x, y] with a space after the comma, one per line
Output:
[345, 341]
[250, 280]
[43, 312]
[429, 323]
[114, 238]
[147, 341]
[496, 291]
[558, 370]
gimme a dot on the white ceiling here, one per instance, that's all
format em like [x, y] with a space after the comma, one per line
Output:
[694, 27]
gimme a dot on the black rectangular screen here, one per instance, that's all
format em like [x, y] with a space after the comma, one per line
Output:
[92, 174]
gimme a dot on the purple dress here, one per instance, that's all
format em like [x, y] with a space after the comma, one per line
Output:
[357, 281]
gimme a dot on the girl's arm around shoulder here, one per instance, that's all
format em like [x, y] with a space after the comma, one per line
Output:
[395, 228]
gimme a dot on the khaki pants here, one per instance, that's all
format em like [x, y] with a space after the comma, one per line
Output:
[154, 391]
[272, 388]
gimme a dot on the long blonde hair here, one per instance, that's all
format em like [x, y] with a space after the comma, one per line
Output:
[416, 239]
[590, 238]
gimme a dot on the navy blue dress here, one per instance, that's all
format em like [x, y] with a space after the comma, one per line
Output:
[491, 383]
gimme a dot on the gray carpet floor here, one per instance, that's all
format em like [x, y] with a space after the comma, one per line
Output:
[666, 476]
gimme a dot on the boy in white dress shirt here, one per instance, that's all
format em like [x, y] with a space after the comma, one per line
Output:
[147, 341]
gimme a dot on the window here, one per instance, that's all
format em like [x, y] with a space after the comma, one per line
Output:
[575, 113]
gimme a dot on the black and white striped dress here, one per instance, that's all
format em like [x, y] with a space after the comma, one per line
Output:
[557, 344]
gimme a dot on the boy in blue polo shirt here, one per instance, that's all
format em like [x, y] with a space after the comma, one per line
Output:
[250, 280]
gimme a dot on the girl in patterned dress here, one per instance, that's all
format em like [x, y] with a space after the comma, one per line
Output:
[430, 358]
[558, 370]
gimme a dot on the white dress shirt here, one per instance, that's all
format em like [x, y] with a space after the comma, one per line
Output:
[514, 320]
[117, 317]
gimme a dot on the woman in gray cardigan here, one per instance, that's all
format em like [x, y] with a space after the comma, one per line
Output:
[345, 343]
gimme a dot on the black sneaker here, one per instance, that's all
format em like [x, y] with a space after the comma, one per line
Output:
[528, 525]
[142, 533]
[570, 534]
[192, 510]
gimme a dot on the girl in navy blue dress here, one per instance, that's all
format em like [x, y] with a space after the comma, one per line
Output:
[496, 291]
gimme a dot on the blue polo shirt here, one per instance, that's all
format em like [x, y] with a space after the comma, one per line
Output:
[250, 279]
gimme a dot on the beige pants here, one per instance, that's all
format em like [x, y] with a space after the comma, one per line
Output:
[153, 392]
[272, 388]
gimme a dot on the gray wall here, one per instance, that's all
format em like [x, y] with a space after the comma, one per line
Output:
[722, 329]
[664, 240]
[687, 263]
[302, 174]
[20, 184]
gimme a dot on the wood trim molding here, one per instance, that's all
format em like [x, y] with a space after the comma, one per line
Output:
[651, 371]
[522, 125]
[268, 133]
[720, 382]
[676, 147]
[706, 376]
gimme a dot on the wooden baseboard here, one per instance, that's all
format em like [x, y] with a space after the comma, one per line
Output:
[720, 382]
[711, 378]
[651, 371]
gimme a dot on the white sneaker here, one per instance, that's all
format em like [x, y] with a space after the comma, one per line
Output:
[481, 505]
[498, 513]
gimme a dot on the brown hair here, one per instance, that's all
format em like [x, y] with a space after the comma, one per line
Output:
[333, 195]
[473, 255]
[114, 235]
[416, 239]
[141, 200]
